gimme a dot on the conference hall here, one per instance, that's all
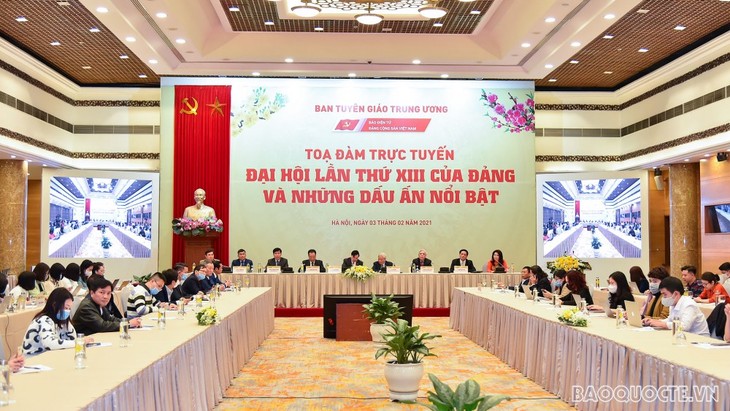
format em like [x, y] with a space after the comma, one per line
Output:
[363, 205]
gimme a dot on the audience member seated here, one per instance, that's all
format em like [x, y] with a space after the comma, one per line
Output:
[421, 260]
[194, 283]
[726, 337]
[694, 285]
[92, 316]
[539, 281]
[26, 283]
[85, 271]
[524, 280]
[619, 292]
[558, 283]
[725, 275]
[215, 276]
[98, 268]
[242, 261]
[682, 308]
[170, 294]
[56, 274]
[496, 263]
[576, 283]
[71, 273]
[278, 260]
[42, 279]
[51, 328]
[381, 266]
[3, 288]
[463, 261]
[312, 261]
[352, 261]
[712, 288]
[637, 276]
[112, 306]
[653, 307]
[141, 301]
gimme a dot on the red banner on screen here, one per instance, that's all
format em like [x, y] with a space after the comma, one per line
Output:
[384, 125]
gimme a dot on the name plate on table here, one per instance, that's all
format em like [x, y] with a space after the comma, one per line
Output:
[273, 269]
[334, 270]
[239, 269]
[393, 269]
[460, 269]
[311, 269]
[427, 269]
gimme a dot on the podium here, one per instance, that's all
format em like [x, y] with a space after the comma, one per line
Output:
[195, 246]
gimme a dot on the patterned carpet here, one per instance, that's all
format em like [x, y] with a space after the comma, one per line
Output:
[297, 369]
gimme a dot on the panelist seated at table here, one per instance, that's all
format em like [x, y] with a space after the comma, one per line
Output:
[539, 281]
[26, 283]
[141, 299]
[242, 261]
[352, 261]
[195, 283]
[525, 274]
[653, 307]
[463, 261]
[619, 292]
[497, 263]
[713, 289]
[577, 285]
[215, 277]
[421, 260]
[51, 328]
[278, 260]
[92, 316]
[681, 308]
[112, 306]
[312, 261]
[381, 266]
[170, 292]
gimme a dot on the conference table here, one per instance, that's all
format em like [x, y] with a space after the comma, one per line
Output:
[13, 327]
[641, 298]
[183, 367]
[306, 290]
[573, 362]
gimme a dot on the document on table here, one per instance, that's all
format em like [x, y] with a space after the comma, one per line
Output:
[143, 328]
[711, 345]
[29, 369]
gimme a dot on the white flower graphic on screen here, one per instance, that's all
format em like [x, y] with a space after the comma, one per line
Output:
[260, 105]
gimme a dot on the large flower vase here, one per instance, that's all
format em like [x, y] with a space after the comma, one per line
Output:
[403, 380]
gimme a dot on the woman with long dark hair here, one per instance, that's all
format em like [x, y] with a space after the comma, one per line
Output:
[576, 283]
[51, 328]
[496, 262]
[618, 292]
[637, 276]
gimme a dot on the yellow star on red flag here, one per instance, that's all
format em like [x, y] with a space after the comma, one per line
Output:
[216, 107]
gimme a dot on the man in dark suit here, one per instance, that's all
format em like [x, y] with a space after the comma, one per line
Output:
[462, 261]
[525, 280]
[352, 261]
[421, 261]
[194, 283]
[214, 279]
[170, 292]
[242, 261]
[312, 262]
[92, 315]
[278, 260]
[381, 266]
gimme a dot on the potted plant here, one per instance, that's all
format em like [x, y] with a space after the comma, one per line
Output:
[466, 397]
[596, 244]
[105, 245]
[379, 310]
[407, 345]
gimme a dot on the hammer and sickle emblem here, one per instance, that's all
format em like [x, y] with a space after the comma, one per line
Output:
[190, 109]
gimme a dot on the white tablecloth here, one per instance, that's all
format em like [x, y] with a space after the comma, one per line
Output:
[184, 367]
[306, 290]
[528, 337]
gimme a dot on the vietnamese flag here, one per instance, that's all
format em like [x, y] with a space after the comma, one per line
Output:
[347, 125]
[202, 156]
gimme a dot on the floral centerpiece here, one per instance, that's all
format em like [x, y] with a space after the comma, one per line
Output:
[573, 316]
[567, 263]
[105, 243]
[359, 273]
[187, 227]
[207, 316]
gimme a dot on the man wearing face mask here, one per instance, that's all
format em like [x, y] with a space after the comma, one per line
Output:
[194, 283]
[141, 300]
[681, 308]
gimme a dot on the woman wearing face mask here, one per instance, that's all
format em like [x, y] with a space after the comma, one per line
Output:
[618, 292]
[85, 271]
[51, 328]
[653, 307]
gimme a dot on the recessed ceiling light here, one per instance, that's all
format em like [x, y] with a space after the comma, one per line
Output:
[130, 39]
[387, 29]
[438, 24]
[679, 27]
[86, 67]
[234, 8]
[608, 72]
[142, 76]
[574, 61]
[686, 159]
[525, 45]
[609, 16]
[707, 155]
[255, 74]
[94, 30]
[152, 61]
[467, 1]
[102, 10]
[63, 3]
[55, 43]
[13, 156]
[549, 66]
[703, 160]
[268, 23]
[642, 11]
[123, 56]
[643, 50]
[319, 29]
[45, 165]
[21, 19]
[444, 75]
[288, 60]
[608, 36]
[575, 44]
[550, 20]
[553, 80]
[352, 75]
[416, 61]
[475, 12]
[30, 161]
[180, 41]
[161, 15]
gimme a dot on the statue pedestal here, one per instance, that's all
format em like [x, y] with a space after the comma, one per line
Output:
[195, 246]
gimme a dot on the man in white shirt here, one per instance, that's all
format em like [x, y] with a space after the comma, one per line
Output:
[681, 308]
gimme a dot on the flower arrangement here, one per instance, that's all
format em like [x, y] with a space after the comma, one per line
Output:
[520, 117]
[259, 106]
[359, 273]
[207, 316]
[567, 263]
[187, 227]
[596, 243]
[105, 243]
[573, 316]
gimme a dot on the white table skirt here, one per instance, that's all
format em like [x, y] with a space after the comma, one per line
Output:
[306, 290]
[528, 337]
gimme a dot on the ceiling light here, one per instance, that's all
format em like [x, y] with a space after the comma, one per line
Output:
[707, 155]
[703, 160]
[123, 56]
[288, 60]
[161, 15]
[475, 12]
[525, 45]
[574, 61]
[609, 16]
[21, 19]
[45, 165]
[549, 66]
[152, 61]
[352, 75]
[608, 36]
[268, 23]
[180, 41]
[319, 29]
[643, 50]
[142, 76]
[30, 161]
[438, 24]
[608, 72]
[686, 159]
[306, 10]
[255, 74]
[102, 10]
[553, 80]
[679, 27]
[12, 156]
[416, 61]
[234, 8]
[642, 11]
[444, 75]
[431, 11]
[550, 20]
[575, 44]
[467, 1]
[130, 39]
[86, 67]
[387, 29]
[94, 30]
[55, 43]
[369, 18]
